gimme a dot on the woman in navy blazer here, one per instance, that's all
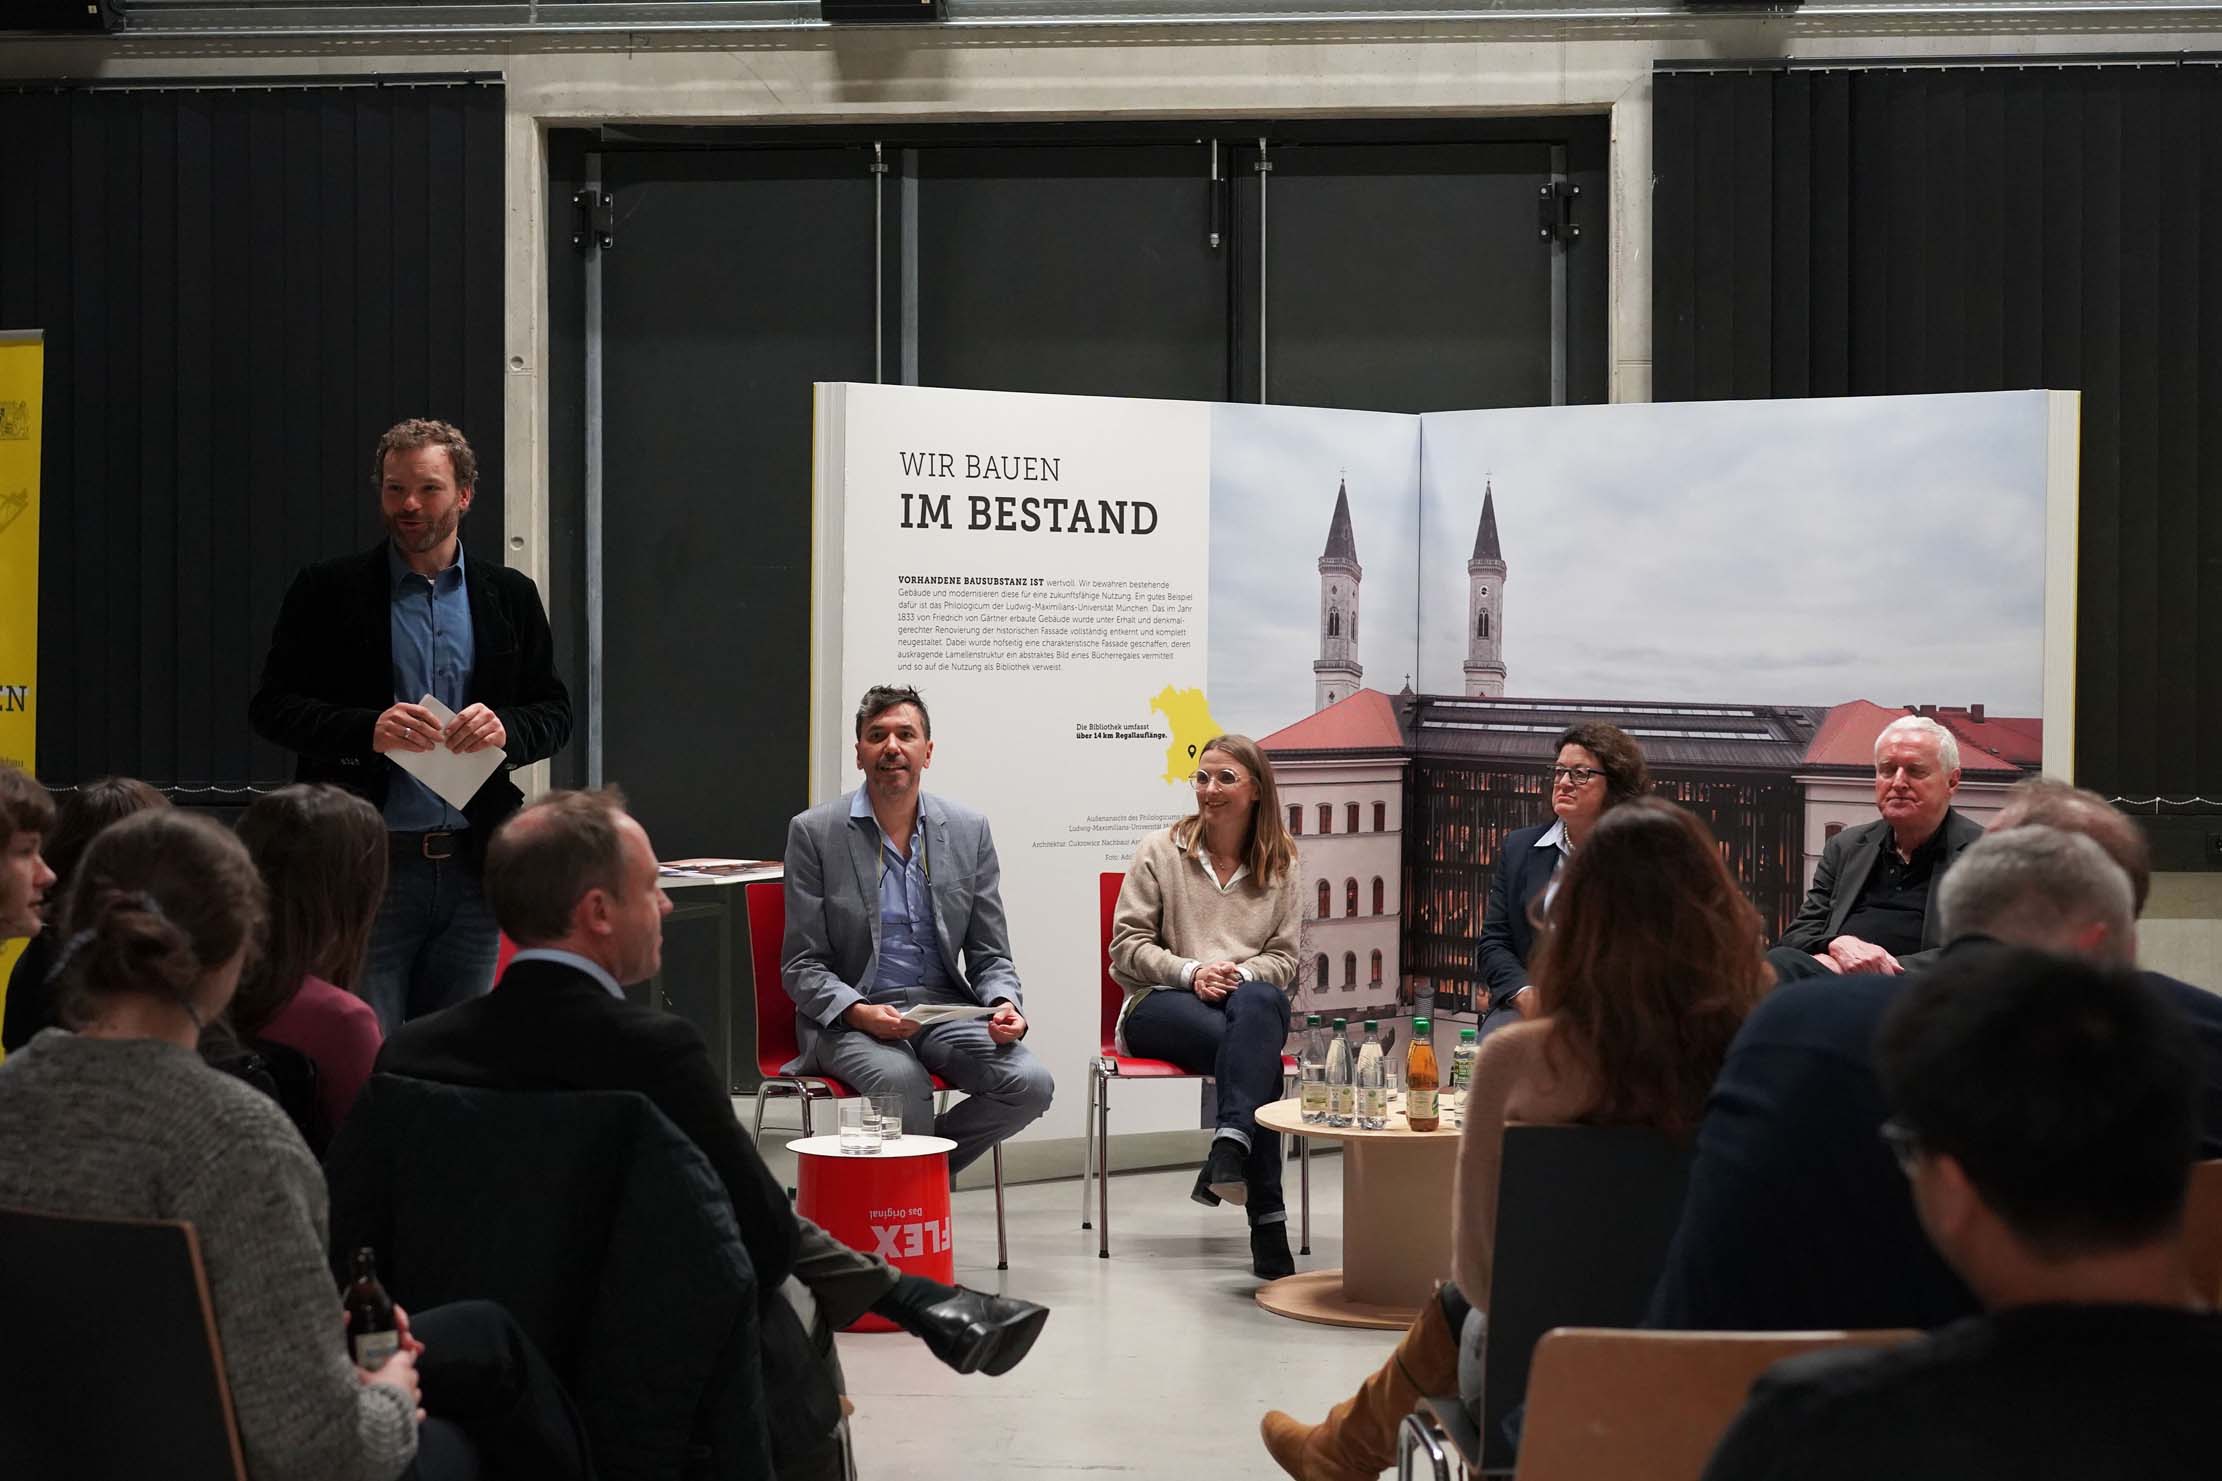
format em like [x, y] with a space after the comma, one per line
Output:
[1599, 766]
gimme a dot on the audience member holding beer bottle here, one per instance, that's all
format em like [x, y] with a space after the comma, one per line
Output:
[119, 1118]
[1598, 767]
[1204, 942]
[1649, 962]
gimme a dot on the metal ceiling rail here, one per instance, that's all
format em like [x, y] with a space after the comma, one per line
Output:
[267, 20]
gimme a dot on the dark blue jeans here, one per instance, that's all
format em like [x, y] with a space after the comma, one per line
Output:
[434, 943]
[1237, 1041]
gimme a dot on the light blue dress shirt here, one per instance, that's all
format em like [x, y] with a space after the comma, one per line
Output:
[433, 653]
[910, 969]
[592, 969]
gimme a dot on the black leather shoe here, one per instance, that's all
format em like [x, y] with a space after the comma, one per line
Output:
[1202, 1191]
[1222, 1174]
[975, 1332]
[1269, 1256]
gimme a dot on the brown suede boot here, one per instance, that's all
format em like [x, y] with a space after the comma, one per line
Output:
[1357, 1440]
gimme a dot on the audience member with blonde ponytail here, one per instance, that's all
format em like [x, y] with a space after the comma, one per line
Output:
[115, 1116]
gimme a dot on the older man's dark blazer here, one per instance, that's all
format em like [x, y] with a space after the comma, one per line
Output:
[1507, 931]
[329, 676]
[1846, 861]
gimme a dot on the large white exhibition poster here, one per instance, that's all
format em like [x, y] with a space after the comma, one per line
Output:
[1038, 568]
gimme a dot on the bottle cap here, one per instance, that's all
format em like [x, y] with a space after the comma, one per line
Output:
[1311, 1020]
[1371, 1025]
[1464, 1034]
[1419, 1025]
[1342, 1023]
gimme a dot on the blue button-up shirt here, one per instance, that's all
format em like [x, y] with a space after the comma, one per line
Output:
[433, 651]
[573, 960]
[910, 969]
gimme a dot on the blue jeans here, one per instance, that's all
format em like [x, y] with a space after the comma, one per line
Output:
[434, 943]
[1238, 1042]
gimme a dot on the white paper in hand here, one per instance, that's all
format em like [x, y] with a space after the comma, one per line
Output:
[455, 778]
[930, 1013]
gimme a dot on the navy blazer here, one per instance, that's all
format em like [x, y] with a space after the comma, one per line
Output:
[1797, 1216]
[330, 675]
[1507, 932]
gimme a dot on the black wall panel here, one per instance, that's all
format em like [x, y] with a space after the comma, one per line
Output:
[240, 289]
[1880, 231]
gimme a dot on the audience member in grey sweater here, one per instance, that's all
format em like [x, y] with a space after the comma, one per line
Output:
[121, 1119]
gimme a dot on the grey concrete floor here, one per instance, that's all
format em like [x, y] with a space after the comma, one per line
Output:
[1155, 1363]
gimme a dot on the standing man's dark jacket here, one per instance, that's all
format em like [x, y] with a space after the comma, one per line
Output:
[1797, 1217]
[1846, 862]
[1507, 933]
[329, 676]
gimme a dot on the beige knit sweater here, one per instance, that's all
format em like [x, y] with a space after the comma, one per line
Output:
[1170, 913]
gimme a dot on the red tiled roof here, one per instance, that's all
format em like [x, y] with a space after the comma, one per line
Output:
[1996, 743]
[1363, 722]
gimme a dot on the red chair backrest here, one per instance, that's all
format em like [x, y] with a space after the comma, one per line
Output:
[775, 1011]
[1107, 890]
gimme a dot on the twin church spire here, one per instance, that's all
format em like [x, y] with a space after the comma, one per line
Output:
[1337, 674]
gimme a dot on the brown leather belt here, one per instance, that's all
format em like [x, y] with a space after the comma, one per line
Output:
[428, 845]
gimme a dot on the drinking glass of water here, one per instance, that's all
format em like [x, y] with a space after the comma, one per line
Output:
[860, 1127]
[889, 1104]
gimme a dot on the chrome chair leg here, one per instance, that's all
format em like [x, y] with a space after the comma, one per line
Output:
[1416, 1436]
[1002, 1239]
[1103, 1170]
[1304, 1179]
[1088, 1145]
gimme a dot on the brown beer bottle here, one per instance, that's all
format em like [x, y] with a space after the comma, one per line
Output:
[372, 1334]
[1422, 1083]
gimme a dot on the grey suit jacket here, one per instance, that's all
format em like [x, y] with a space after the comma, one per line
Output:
[1846, 862]
[832, 942]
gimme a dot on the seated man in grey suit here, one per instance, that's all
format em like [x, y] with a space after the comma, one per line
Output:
[894, 901]
[1871, 908]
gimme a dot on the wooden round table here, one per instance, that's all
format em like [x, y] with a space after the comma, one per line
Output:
[1396, 1216]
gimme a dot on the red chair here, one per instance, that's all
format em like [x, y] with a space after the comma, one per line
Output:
[1108, 1064]
[776, 1044]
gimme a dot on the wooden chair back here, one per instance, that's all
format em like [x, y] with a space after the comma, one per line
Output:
[1649, 1406]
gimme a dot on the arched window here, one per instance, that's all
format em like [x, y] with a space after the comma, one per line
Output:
[1319, 971]
[1334, 623]
[1350, 969]
[1350, 818]
[1380, 900]
[1482, 630]
[1375, 979]
[1350, 897]
[1296, 817]
[1326, 901]
[1381, 817]
[1327, 817]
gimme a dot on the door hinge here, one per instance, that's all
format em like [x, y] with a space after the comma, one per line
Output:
[1554, 211]
[594, 220]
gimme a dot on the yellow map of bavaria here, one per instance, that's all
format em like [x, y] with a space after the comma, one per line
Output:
[1189, 717]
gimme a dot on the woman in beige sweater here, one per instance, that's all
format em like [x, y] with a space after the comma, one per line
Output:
[1648, 963]
[1205, 945]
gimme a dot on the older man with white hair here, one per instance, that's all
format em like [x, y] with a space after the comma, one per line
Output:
[1870, 908]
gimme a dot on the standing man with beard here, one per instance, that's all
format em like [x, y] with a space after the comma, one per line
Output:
[358, 644]
[894, 900]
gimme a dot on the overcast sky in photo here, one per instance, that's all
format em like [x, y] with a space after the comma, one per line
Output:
[1784, 552]
[1274, 470]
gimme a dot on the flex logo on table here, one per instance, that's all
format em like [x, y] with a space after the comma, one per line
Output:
[907, 1233]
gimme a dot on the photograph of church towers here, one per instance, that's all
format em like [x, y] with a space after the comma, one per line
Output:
[1658, 600]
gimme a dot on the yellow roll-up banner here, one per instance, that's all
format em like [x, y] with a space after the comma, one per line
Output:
[22, 407]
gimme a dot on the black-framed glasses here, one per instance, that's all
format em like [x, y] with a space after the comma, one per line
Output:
[1904, 1144]
[1578, 775]
[1226, 776]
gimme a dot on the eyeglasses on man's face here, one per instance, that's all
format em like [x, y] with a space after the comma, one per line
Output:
[1225, 776]
[1578, 776]
[1904, 1144]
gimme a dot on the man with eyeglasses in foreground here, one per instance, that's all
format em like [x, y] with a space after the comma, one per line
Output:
[895, 904]
[2043, 1115]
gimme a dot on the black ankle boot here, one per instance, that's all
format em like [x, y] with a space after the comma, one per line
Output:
[1269, 1256]
[1222, 1176]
